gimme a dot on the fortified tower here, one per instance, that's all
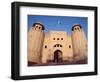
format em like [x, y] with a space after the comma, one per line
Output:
[79, 43]
[35, 43]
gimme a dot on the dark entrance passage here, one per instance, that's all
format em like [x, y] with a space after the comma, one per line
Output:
[57, 56]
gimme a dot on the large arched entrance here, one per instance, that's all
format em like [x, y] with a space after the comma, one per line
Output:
[57, 56]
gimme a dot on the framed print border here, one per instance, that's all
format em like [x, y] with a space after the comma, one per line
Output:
[15, 40]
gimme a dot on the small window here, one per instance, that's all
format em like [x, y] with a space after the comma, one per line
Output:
[78, 28]
[57, 38]
[69, 46]
[53, 38]
[54, 45]
[45, 46]
[36, 27]
[39, 27]
[60, 45]
[61, 38]
[75, 28]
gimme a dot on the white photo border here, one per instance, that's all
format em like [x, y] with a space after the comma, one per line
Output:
[43, 70]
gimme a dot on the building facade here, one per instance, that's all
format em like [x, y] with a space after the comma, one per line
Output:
[56, 46]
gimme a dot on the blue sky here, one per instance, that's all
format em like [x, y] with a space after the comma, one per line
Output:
[58, 23]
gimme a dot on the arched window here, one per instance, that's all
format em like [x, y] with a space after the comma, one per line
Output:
[60, 45]
[36, 26]
[39, 27]
[75, 28]
[53, 38]
[45, 46]
[54, 45]
[61, 38]
[57, 45]
[57, 38]
[69, 46]
[78, 28]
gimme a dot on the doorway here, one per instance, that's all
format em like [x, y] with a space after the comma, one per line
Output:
[57, 56]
